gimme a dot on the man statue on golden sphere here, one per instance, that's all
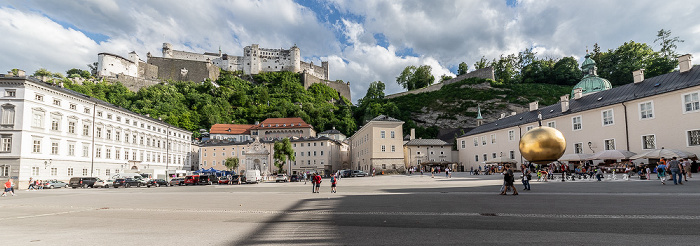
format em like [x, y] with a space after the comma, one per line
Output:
[542, 145]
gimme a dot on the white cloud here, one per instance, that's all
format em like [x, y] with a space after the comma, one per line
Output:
[31, 41]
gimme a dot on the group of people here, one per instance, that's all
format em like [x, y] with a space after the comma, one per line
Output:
[679, 170]
[35, 184]
[316, 182]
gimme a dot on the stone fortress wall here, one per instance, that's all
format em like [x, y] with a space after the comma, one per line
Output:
[343, 88]
[485, 73]
[190, 66]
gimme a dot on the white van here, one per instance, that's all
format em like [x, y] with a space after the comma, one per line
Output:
[253, 176]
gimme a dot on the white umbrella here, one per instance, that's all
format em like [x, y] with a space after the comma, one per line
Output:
[501, 159]
[665, 153]
[575, 157]
[614, 154]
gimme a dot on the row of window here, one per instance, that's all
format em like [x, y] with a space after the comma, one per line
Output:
[87, 110]
[56, 122]
[4, 171]
[493, 156]
[55, 150]
[648, 142]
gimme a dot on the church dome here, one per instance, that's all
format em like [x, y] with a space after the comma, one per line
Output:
[591, 83]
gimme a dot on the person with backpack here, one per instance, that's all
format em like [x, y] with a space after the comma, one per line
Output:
[661, 172]
[508, 179]
[318, 183]
[334, 181]
[313, 183]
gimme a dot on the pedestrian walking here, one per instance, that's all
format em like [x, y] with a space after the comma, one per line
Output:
[599, 173]
[686, 169]
[526, 178]
[334, 182]
[432, 172]
[661, 173]
[32, 184]
[508, 179]
[447, 172]
[648, 174]
[675, 167]
[313, 183]
[9, 188]
[305, 177]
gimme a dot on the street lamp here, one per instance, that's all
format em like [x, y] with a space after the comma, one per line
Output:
[47, 163]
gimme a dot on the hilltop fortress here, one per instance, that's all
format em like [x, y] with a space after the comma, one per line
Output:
[135, 73]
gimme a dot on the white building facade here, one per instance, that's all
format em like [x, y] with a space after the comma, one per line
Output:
[49, 132]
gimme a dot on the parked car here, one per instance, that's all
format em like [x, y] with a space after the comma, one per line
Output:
[50, 184]
[83, 182]
[281, 178]
[208, 179]
[359, 173]
[177, 181]
[103, 183]
[253, 176]
[346, 173]
[127, 182]
[224, 180]
[294, 178]
[191, 180]
[235, 178]
[156, 183]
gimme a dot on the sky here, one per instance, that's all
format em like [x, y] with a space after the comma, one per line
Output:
[363, 40]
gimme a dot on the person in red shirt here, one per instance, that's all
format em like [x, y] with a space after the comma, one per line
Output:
[8, 188]
[318, 183]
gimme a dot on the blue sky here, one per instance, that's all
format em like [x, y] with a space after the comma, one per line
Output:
[363, 41]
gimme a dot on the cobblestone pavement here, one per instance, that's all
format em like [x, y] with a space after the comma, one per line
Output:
[382, 210]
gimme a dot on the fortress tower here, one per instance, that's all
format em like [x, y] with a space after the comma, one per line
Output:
[295, 55]
[167, 50]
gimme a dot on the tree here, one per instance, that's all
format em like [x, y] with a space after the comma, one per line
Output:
[232, 163]
[15, 71]
[482, 63]
[507, 69]
[463, 69]
[93, 68]
[374, 92]
[445, 77]
[538, 71]
[414, 77]
[42, 72]
[74, 72]
[566, 72]
[283, 151]
[668, 43]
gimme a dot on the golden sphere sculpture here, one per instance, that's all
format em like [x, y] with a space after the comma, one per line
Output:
[542, 145]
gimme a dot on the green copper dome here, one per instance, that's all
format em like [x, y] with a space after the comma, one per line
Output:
[591, 83]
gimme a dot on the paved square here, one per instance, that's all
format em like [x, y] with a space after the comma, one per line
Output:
[382, 210]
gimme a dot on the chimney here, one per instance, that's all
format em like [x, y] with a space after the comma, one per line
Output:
[534, 105]
[513, 113]
[685, 62]
[638, 76]
[21, 73]
[564, 103]
[578, 93]
[413, 134]
[503, 115]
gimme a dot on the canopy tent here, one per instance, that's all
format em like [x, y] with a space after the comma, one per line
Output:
[575, 157]
[502, 159]
[665, 153]
[613, 155]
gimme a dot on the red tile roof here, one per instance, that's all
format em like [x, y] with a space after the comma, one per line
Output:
[281, 123]
[230, 129]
